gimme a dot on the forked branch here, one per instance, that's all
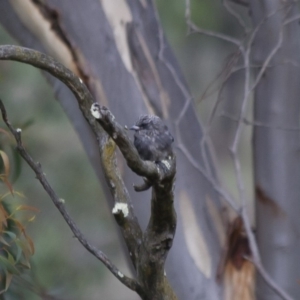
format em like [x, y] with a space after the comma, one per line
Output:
[148, 250]
[59, 203]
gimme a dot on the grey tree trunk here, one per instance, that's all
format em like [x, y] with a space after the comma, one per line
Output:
[276, 145]
[119, 51]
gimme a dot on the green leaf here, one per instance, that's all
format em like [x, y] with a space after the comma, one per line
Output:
[8, 278]
[11, 234]
[19, 253]
[3, 241]
[11, 259]
[25, 250]
[8, 266]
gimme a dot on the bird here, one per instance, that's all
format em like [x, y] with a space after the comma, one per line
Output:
[152, 139]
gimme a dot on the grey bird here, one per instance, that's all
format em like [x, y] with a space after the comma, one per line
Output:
[152, 139]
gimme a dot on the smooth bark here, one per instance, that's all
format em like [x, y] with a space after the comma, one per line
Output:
[276, 145]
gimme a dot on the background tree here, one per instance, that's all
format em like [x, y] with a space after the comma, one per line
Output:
[119, 50]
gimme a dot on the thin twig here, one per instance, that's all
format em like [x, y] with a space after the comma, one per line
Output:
[216, 186]
[246, 51]
[266, 277]
[259, 124]
[188, 102]
[85, 101]
[272, 284]
[59, 203]
[235, 15]
[195, 29]
[237, 165]
[268, 60]
[292, 19]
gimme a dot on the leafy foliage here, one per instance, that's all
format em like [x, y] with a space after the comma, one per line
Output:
[16, 247]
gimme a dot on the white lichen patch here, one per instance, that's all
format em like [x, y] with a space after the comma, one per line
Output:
[61, 200]
[120, 274]
[19, 130]
[80, 80]
[95, 111]
[121, 207]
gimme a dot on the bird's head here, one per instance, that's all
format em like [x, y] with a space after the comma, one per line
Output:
[147, 122]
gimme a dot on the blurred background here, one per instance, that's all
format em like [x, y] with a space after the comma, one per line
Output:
[62, 268]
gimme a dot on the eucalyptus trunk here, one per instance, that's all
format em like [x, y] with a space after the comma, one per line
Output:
[276, 144]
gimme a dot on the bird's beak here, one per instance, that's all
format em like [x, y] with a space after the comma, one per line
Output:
[134, 127]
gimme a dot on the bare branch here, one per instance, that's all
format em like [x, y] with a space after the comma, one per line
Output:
[123, 208]
[118, 133]
[47, 63]
[195, 29]
[188, 101]
[59, 203]
[292, 19]
[235, 15]
[223, 193]
[259, 124]
[246, 51]
[148, 252]
[233, 150]
[129, 226]
[268, 59]
[266, 277]
[158, 237]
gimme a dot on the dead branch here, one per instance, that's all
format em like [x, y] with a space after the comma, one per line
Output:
[158, 237]
[60, 204]
[245, 48]
[148, 251]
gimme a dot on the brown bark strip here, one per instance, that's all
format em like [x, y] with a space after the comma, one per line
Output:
[53, 17]
[264, 199]
[238, 273]
[82, 69]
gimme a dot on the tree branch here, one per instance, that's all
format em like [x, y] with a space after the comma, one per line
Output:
[130, 228]
[123, 208]
[59, 71]
[246, 54]
[59, 203]
[159, 235]
[118, 133]
[148, 252]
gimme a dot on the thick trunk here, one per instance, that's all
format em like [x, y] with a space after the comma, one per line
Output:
[276, 145]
